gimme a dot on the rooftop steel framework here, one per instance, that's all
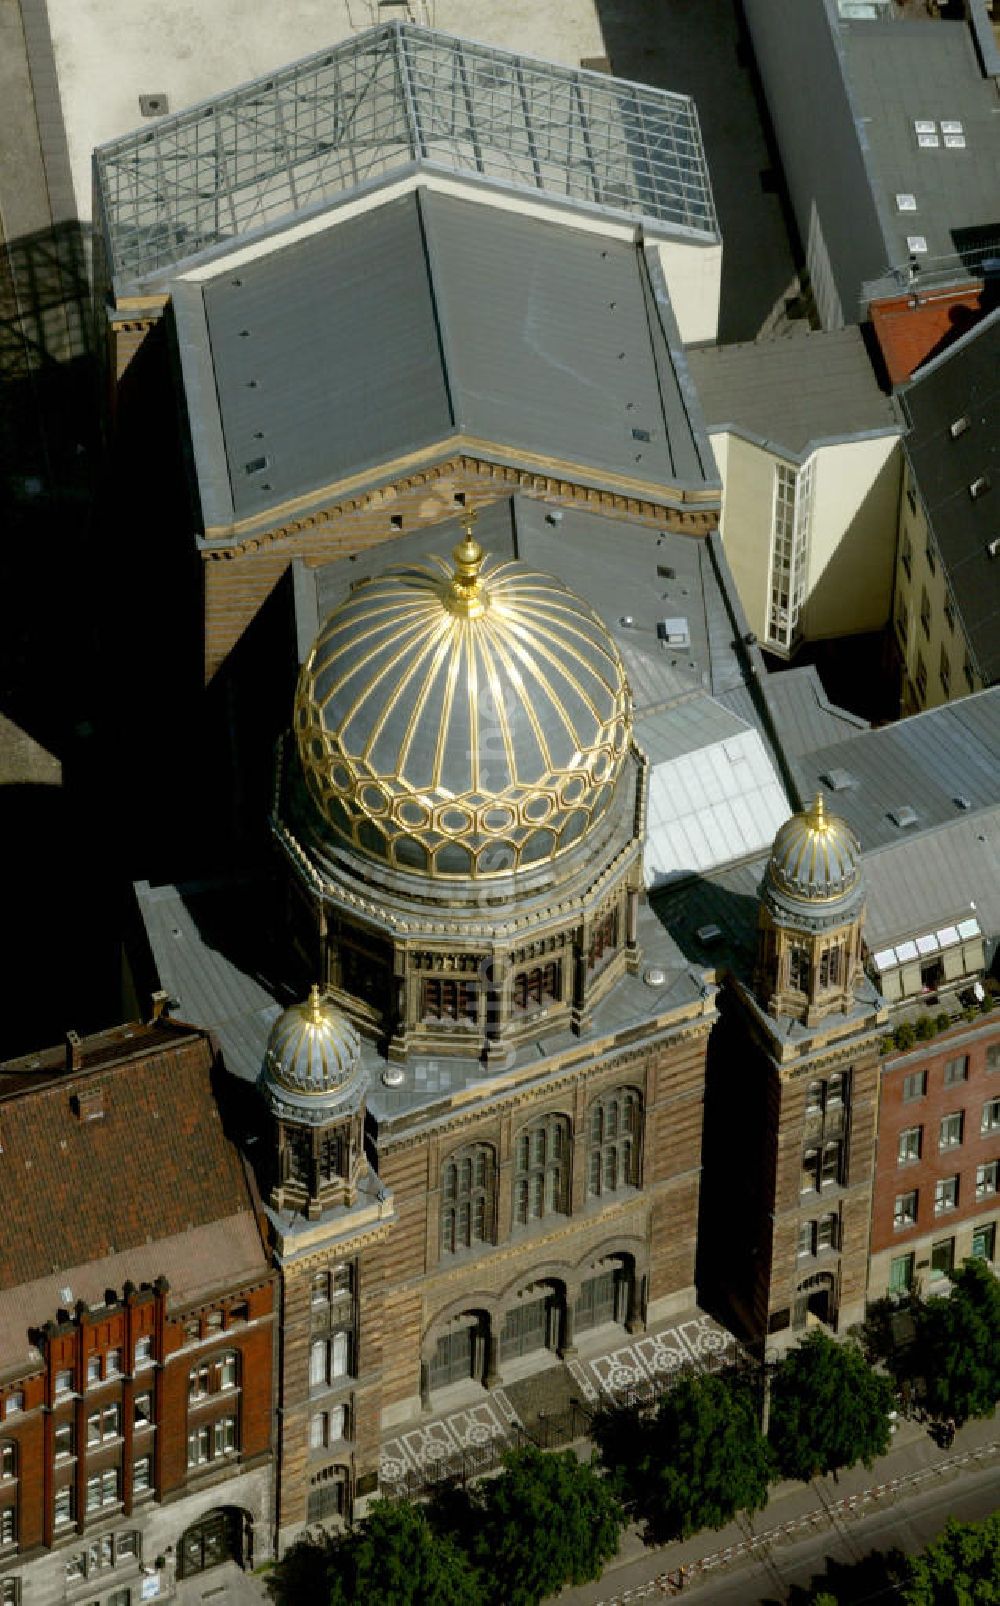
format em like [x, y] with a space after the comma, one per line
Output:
[385, 101]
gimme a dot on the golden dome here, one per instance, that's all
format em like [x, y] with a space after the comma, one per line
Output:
[462, 721]
[815, 857]
[312, 1062]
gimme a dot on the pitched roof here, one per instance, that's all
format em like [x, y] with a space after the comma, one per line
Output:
[962, 388]
[154, 1164]
[429, 317]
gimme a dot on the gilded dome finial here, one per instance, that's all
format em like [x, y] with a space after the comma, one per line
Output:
[466, 595]
[315, 1005]
[817, 814]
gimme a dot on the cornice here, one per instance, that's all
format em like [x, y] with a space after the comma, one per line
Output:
[633, 499]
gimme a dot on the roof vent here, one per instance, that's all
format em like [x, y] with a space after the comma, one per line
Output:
[626, 621]
[979, 486]
[555, 516]
[958, 426]
[393, 1076]
[654, 976]
[674, 631]
[665, 572]
[66, 1295]
[963, 802]
[904, 816]
[89, 1105]
[153, 105]
[709, 935]
[839, 780]
[993, 547]
[906, 203]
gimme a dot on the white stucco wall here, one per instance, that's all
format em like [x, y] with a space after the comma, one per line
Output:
[694, 276]
[852, 535]
[852, 538]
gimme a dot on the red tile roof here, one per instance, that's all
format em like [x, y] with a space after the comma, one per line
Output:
[154, 1164]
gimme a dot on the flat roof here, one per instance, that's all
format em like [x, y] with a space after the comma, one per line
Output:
[377, 105]
[795, 392]
[427, 317]
[904, 73]
[105, 54]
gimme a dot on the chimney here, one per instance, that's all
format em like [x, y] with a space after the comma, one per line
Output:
[160, 1001]
[74, 1052]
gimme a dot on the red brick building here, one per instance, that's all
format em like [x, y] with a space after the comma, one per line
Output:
[936, 1197]
[136, 1323]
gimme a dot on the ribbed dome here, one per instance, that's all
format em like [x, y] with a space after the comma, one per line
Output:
[463, 722]
[312, 1060]
[815, 857]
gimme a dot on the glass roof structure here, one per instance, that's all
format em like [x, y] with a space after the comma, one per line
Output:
[388, 101]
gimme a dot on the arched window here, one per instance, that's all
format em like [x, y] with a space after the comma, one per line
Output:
[331, 1157]
[798, 967]
[830, 966]
[613, 1142]
[298, 1154]
[541, 1170]
[603, 939]
[533, 988]
[468, 1187]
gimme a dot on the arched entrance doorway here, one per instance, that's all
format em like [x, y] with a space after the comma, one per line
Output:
[815, 1301]
[607, 1294]
[533, 1321]
[224, 1534]
[461, 1351]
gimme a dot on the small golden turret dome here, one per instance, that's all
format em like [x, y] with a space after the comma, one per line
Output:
[312, 1062]
[462, 719]
[815, 857]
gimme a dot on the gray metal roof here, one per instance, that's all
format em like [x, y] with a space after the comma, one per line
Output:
[900, 72]
[792, 394]
[963, 384]
[927, 762]
[922, 883]
[625, 571]
[383, 103]
[428, 317]
[800, 710]
[207, 942]
[192, 939]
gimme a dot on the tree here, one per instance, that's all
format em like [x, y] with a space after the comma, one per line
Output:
[393, 1558]
[694, 1463]
[958, 1345]
[548, 1520]
[829, 1409]
[959, 1568]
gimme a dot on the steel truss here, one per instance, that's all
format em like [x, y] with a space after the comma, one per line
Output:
[382, 102]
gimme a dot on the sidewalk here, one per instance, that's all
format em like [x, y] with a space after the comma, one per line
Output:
[793, 1508]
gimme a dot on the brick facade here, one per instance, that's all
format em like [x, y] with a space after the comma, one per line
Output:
[957, 1074]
